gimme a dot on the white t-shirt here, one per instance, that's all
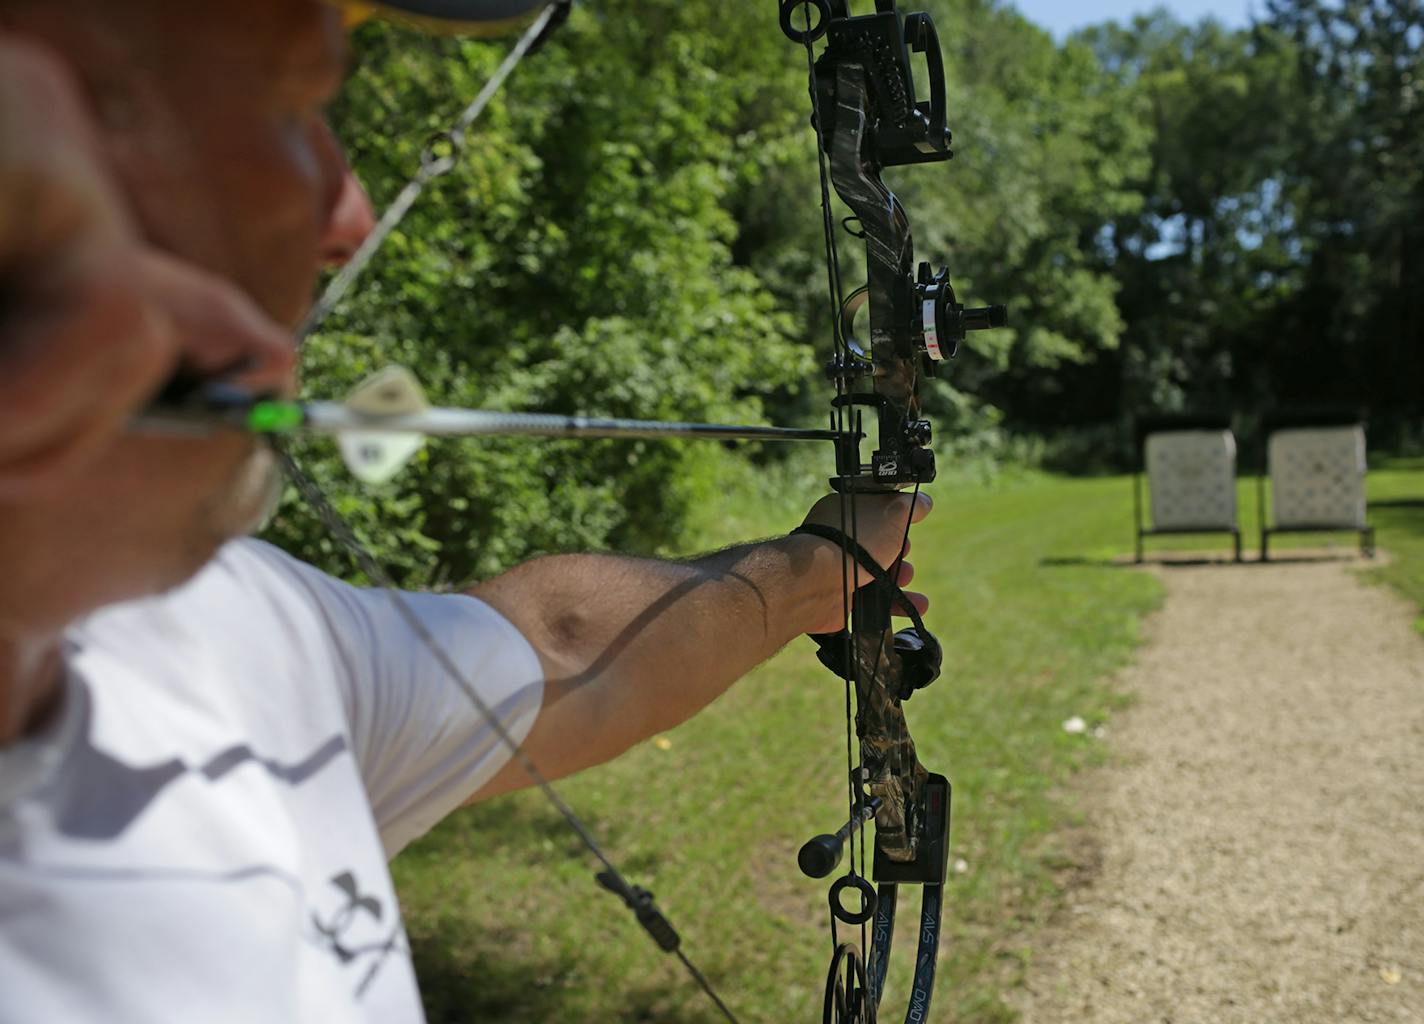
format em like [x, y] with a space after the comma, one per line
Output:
[202, 835]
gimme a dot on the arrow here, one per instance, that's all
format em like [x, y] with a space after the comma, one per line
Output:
[386, 419]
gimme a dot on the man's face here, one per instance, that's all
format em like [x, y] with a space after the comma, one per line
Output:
[212, 116]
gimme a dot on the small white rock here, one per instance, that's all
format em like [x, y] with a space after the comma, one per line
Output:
[961, 866]
[1075, 725]
[1100, 732]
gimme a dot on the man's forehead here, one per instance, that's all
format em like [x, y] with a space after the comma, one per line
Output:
[287, 38]
[318, 41]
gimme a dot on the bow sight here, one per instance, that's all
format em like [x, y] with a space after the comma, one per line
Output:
[868, 116]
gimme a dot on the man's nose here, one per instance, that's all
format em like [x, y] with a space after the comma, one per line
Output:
[350, 221]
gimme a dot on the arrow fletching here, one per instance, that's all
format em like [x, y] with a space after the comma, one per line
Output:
[375, 456]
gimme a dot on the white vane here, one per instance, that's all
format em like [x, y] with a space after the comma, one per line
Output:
[375, 456]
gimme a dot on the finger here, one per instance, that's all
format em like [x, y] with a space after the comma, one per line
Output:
[57, 190]
[905, 574]
[920, 602]
[923, 503]
[80, 345]
[903, 510]
[94, 341]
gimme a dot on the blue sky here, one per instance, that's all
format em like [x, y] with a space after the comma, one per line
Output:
[1063, 16]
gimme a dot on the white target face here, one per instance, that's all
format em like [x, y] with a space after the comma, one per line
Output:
[1191, 475]
[1318, 477]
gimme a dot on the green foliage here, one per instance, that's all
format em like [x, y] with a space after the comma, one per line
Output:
[1209, 246]
[633, 229]
[579, 258]
[1044, 152]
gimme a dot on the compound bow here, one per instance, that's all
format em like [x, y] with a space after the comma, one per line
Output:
[867, 117]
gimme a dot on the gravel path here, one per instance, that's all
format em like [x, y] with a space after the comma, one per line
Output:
[1257, 847]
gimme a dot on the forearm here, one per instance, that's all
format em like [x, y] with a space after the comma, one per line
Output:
[632, 647]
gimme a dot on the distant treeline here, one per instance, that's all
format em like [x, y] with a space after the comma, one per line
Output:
[1177, 217]
[1275, 255]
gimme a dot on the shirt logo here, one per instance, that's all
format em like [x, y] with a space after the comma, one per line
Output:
[354, 932]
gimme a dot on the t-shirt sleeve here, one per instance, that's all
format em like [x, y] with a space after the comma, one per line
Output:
[422, 744]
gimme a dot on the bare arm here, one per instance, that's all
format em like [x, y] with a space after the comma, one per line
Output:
[632, 647]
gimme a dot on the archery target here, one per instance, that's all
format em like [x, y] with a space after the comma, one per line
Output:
[1191, 475]
[1318, 477]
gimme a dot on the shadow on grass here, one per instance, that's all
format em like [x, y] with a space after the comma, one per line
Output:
[536, 828]
[1199, 561]
[1402, 514]
[1123, 562]
[470, 974]
[464, 976]
[1071, 562]
[1193, 561]
[1292, 558]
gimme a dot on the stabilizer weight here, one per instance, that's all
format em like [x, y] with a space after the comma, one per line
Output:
[819, 856]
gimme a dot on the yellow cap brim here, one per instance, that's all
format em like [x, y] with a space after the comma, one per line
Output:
[461, 17]
[353, 14]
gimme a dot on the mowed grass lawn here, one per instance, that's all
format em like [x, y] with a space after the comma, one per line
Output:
[507, 923]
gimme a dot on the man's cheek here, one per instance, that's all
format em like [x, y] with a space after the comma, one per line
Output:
[260, 487]
[245, 499]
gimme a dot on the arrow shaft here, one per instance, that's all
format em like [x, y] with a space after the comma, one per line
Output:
[336, 418]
